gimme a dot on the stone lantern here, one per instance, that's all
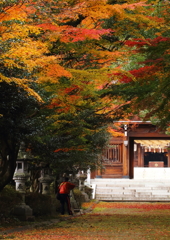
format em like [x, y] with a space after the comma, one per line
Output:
[46, 179]
[21, 175]
[81, 176]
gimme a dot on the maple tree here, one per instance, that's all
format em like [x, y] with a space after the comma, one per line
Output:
[71, 49]
[143, 82]
[19, 99]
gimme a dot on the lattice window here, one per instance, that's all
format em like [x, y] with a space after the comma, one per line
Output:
[113, 154]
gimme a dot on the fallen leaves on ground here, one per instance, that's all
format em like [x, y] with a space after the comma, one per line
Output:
[108, 220]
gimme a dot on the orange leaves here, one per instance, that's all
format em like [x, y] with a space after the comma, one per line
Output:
[14, 23]
[135, 5]
[52, 71]
[69, 149]
[15, 12]
[114, 132]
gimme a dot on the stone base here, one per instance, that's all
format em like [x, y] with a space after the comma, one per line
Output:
[23, 212]
[86, 197]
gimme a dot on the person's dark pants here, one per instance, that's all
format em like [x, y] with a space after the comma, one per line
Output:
[65, 199]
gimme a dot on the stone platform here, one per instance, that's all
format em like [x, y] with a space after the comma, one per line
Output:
[152, 173]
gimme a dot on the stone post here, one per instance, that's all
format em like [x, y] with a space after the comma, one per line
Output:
[88, 179]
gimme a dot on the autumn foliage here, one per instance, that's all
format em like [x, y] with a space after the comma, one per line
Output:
[69, 56]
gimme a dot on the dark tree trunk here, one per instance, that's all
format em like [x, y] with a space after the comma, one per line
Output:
[9, 152]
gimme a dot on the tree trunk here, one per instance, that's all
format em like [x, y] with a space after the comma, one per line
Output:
[9, 152]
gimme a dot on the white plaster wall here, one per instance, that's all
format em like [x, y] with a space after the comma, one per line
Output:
[151, 173]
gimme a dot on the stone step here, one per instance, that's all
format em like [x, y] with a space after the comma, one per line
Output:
[147, 188]
[131, 199]
[136, 197]
[123, 180]
[131, 190]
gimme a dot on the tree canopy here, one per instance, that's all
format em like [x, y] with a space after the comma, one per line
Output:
[144, 84]
[70, 67]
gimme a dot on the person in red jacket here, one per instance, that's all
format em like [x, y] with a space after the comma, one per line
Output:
[64, 190]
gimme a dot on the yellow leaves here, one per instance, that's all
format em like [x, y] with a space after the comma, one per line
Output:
[16, 31]
[95, 76]
[93, 11]
[19, 51]
[85, 75]
[23, 83]
[23, 54]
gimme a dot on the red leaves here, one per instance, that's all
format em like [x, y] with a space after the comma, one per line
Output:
[80, 34]
[74, 34]
[71, 90]
[123, 78]
[146, 206]
[142, 42]
[158, 62]
[48, 26]
[142, 72]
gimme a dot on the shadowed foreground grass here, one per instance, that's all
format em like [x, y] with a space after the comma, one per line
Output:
[126, 221]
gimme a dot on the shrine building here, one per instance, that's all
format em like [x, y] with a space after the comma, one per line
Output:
[136, 166]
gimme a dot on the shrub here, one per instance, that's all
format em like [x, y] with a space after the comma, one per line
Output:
[9, 198]
[78, 196]
[89, 191]
[40, 204]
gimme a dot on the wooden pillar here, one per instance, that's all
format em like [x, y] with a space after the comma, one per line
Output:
[140, 156]
[168, 158]
[125, 161]
[99, 172]
[131, 158]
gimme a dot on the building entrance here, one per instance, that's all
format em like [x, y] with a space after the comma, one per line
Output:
[148, 154]
[141, 145]
[154, 159]
[151, 153]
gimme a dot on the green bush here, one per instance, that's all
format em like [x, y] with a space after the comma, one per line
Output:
[40, 204]
[89, 191]
[9, 198]
[78, 196]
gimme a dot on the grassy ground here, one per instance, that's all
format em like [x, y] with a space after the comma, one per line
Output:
[107, 220]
